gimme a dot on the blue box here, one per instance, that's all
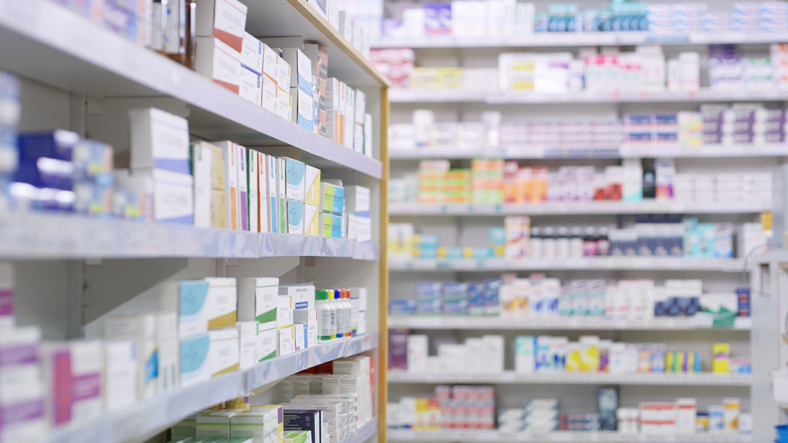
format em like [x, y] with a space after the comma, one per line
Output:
[476, 299]
[402, 307]
[492, 287]
[57, 144]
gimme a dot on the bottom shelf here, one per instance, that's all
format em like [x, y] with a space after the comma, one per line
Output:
[149, 417]
[463, 435]
[363, 433]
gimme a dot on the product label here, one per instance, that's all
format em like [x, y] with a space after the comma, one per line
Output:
[6, 303]
[21, 412]
[18, 355]
[226, 67]
[230, 22]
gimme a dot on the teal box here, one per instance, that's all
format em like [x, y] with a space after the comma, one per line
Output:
[336, 227]
[339, 201]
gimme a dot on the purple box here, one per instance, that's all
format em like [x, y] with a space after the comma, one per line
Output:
[398, 349]
[775, 138]
[437, 20]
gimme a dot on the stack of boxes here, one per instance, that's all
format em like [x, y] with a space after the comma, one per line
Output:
[487, 181]
[332, 210]
[359, 225]
[759, 17]
[538, 416]
[690, 129]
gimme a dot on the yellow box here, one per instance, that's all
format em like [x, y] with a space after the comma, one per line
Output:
[721, 358]
[311, 220]
[218, 209]
[312, 181]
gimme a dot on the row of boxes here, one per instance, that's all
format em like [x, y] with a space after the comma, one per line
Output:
[452, 407]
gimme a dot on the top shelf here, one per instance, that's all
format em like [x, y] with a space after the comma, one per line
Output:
[277, 18]
[580, 39]
[41, 40]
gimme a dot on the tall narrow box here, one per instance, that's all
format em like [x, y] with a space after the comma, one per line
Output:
[141, 330]
[357, 200]
[281, 193]
[201, 157]
[296, 180]
[311, 220]
[368, 141]
[272, 172]
[349, 107]
[224, 353]
[286, 343]
[222, 299]
[243, 188]
[247, 344]
[254, 189]
[257, 300]
[167, 351]
[120, 375]
[230, 160]
[312, 184]
[264, 216]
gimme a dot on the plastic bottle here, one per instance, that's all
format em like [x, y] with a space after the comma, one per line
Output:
[603, 243]
[340, 313]
[576, 243]
[548, 243]
[348, 312]
[562, 243]
[536, 243]
[326, 316]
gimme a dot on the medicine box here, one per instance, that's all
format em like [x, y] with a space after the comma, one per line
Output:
[295, 177]
[230, 161]
[194, 359]
[298, 437]
[258, 424]
[189, 298]
[300, 336]
[6, 296]
[172, 193]
[250, 86]
[300, 70]
[185, 429]
[224, 20]
[222, 299]
[326, 224]
[357, 200]
[295, 217]
[284, 311]
[285, 104]
[219, 62]
[247, 343]
[252, 54]
[243, 188]
[120, 375]
[168, 357]
[267, 342]
[286, 344]
[257, 301]
[281, 193]
[141, 330]
[201, 156]
[302, 111]
[302, 296]
[311, 220]
[312, 185]
[69, 368]
[214, 424]
[308, 319]
[159, 140]
[272, 165]
[269, 90]
[224, 352]
[253, 198]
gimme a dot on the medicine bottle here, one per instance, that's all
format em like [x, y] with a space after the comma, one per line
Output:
[325, 315]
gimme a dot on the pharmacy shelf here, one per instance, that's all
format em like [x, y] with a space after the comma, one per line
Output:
[574, 264]
[299, 17]
[557, 152]
[53, 236]
[281, 367]
[41, 40]
[578, 378]
[150, 417]
[775, 256]
[703, 95]
[569, 208]
[554, 39]
[698, 322]
[463, 435]
[364, 433]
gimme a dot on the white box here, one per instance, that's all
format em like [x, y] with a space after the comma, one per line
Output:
[158, 140]
[348, 110]
[257, 300]
[311, 220]
[524, 357]
[222, 299]
[311, 185]
[358, 137]
[300, 336]
[224, 353]
[286, 342]
[224, 20]
[281, 197]
[168, 353]
[333, 109]
[201, 168]
[283, 74]
[284, 311]
[357, 200]
[285, 104]
[141, 330]
[308, 318]
[74, 368]
[251, 86]
[417, 354]
[267, 342]
[302, 110]
[172, 193]
[219, 63]
[295, 217]
[270, 100]
[272, 171]
[270, 63]
[252, 54]
[264, 216]
[195, 363]
[296, 180]
[120, 375]
[230, 163]
[214, 424]
[300, 70]
[247, 343]
[346, 27]
[686, 415]
[189, 298]
[302, 296]
[254, 189]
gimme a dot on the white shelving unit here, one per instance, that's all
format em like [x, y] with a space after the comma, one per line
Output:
[494, 323]
[570, 378]
[72, 271]
[574, 264]
[465, 225]
[570, 208]
[150, 417]
[558, 152]
[606, 437]
[513, 98]
[570, 39]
